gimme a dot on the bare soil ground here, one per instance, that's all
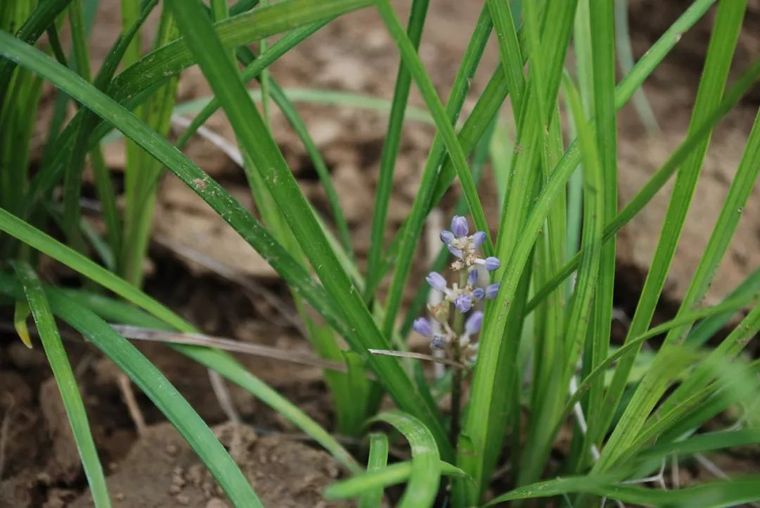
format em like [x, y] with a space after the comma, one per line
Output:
[149, 465]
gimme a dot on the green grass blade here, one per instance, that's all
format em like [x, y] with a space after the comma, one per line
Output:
[377, 461]
[66, 381]
[706, 442]
[626, 61]
[392, 142]
[425, 473]
[728, 21]
[728, 307]
[381, 478]
[725, 227]
[714, 494]
[320, 166]
[257, 142]
[708, 327]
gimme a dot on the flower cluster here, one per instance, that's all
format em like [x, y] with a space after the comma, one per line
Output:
[470, 270]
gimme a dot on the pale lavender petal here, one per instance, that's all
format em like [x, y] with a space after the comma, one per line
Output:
[463, 303]
[492, 263]
[423, 327]
[478, 293]
[492, 290]
[473, 323]
[447, 236]
[459, 226]
[479, 238]
[436, 281]
[472, 277]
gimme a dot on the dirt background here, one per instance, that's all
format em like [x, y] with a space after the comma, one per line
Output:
[193, 256]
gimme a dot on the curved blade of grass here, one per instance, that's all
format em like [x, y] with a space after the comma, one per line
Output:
[708, 327]
[729, 307]
[392, 142]
[626, 61]
[425, 473]
[376, 462]
[714, 494]
[153, 383]
[706, 442]
[236, 31]
[723, 231]
[382, 478]
[256, 141]
[723, 41]
[66, 381]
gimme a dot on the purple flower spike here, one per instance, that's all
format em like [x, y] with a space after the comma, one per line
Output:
[472, 277]
[492, 290]
[459, 226]
[492, 263]
[423, 327]
[436, 281]
[447, 236]
[478, 238]
[438, 342]
[473, 323]
[478, 293]
[463, 303]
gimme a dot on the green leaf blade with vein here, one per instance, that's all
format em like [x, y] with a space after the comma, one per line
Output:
[66, 381]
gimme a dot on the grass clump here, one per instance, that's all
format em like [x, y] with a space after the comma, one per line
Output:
[520, 330]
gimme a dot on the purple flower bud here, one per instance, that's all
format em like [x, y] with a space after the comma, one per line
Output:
[436, 281]
[454, 251]
[459, 226]
[492, 263]
[447, 236]
[478, 238]
[472, 277]
[492, 290]
[438, 342]
[423, 327]
[473, 323]
[478, 293]
[463, 303]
